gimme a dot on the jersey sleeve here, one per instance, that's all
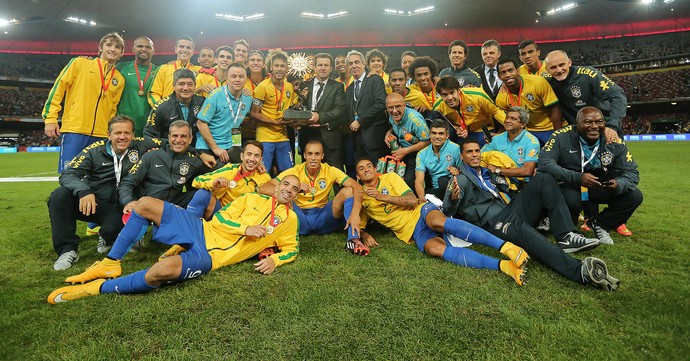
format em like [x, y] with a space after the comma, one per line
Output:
[287, 242]
[133, 179]
[398, 185]
[232, 211]
[260, 94]
[152, 127]
[76, 170]
[157, 86]
[548, 96]
[57, 93]
[208, 109]
[205, 181]
[532, 150]
[607, 90]
[421, 128]
[337, 175]
[548, 163]
[419, 161]
[496, 112]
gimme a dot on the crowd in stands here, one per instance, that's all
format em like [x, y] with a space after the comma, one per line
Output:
[22, 102]
[36, 138]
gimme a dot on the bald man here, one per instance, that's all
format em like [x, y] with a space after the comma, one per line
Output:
[581, 86]
[411, 131]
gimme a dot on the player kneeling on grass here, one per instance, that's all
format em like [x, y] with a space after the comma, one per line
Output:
[389, 201]
[237, 232]
[318, 215]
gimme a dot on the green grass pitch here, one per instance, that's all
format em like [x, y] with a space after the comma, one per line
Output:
[394, 304]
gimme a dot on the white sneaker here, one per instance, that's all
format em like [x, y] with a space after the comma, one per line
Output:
[66, 260]
[102, 247]
[602, 234]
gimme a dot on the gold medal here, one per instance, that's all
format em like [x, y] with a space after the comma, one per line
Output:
[232, 184]
[313, 190]
[269, 229]
[141, 93]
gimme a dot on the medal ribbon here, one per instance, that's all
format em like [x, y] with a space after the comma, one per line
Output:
[186, 66]
[239, 176]
[104, 84]
[519, 95]
[273, 211]
[460, 111]
[312, 182]
[279, 101]
[239, 106]
[146, 78]
[433, 96]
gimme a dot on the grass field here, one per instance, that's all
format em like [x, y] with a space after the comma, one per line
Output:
[395, 304]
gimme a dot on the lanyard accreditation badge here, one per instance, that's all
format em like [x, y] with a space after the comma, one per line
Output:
[236, 131]
[584, 192]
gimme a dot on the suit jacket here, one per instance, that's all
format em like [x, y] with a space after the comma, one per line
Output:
[485, 82]
[370, 109]
[332, 110]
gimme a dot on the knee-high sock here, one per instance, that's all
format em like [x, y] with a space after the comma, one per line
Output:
[471, 233]
[132, 283]
[128, 236]
[347, 210]
[197, 206]
[469, 258]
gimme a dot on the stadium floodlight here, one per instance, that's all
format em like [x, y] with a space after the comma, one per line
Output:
[338, 14]
[417, 11]
[76, 20]
[307, 14]
[240, 18]
[560, 9]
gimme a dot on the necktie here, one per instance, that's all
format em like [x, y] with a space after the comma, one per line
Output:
[319, 93]
[357, 89]
[492, 79]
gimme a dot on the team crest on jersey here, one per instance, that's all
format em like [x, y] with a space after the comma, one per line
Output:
[243, 107]
[184, 168]
[530, 97]
[461, 80]
[384, 190]
[276, 221]
[182, 180]
[576, 91]
[520, 151]
[500, 180]
[322, 183]
[606, 158]
[469, 108]
[133, 156]
[114, 82]
[449, 158]
[287, 94]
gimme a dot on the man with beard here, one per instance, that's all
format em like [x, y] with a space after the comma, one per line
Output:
[163, 82]
[138, 75]
[533, 93]
[236, 233]
[593, 172]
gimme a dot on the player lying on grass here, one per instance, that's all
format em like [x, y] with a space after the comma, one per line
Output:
[237, 232]
[389, 201]
[318, 215]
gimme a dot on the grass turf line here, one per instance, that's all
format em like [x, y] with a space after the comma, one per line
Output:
[394, 304]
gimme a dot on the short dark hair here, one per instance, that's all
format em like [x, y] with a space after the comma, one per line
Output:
[423, 62]
[254, 143]
[315, 141]
[362, 159]
[459, 43]
[492, 42]
[439, 123]
[237, 64]
[506, 61]
[397, 69]
[183, 73]
[448, 83]
[376, 53]
[527, 42]
[241, 42]
[468, 141]
[279, 55]
[323, 56]
[588, 109]
[226, 48]
[184, 37]
[119, 119]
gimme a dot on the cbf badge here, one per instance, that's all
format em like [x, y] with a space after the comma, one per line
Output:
[576, 91]
[469, 108]
[114, 82]
[184, 168]
[322, 183]
[133, 156]
[384, 190]
[449, 158]
[606, 158]
[530, 97]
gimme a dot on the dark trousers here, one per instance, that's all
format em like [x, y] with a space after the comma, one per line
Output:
[348, 142]
[516, 222]
[619, 206]
[439, 192]
[410, 164]
[374, 149]
[63, 208]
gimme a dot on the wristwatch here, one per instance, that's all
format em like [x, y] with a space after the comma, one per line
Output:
[497, 171]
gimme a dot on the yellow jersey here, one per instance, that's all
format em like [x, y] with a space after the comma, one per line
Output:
[401, 220]
[476, 109]
[414, 98]
[233, 172]
[320, 186]
[536, 96]
[273, 104]
[431, 97]
[345, 85]
[203, 78]
[90, 98]
[523, 70]
[225, 239]
[163, 82]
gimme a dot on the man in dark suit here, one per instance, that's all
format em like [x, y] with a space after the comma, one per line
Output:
[326, 100]
[366, 100]
[488, 72]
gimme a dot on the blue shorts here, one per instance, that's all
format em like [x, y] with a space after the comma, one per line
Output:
[180, 227]
[279, 152]
[543, 136]
[70, 145]
[318, 220]
[422, 232]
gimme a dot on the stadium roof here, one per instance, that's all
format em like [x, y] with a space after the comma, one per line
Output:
[41, 26]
